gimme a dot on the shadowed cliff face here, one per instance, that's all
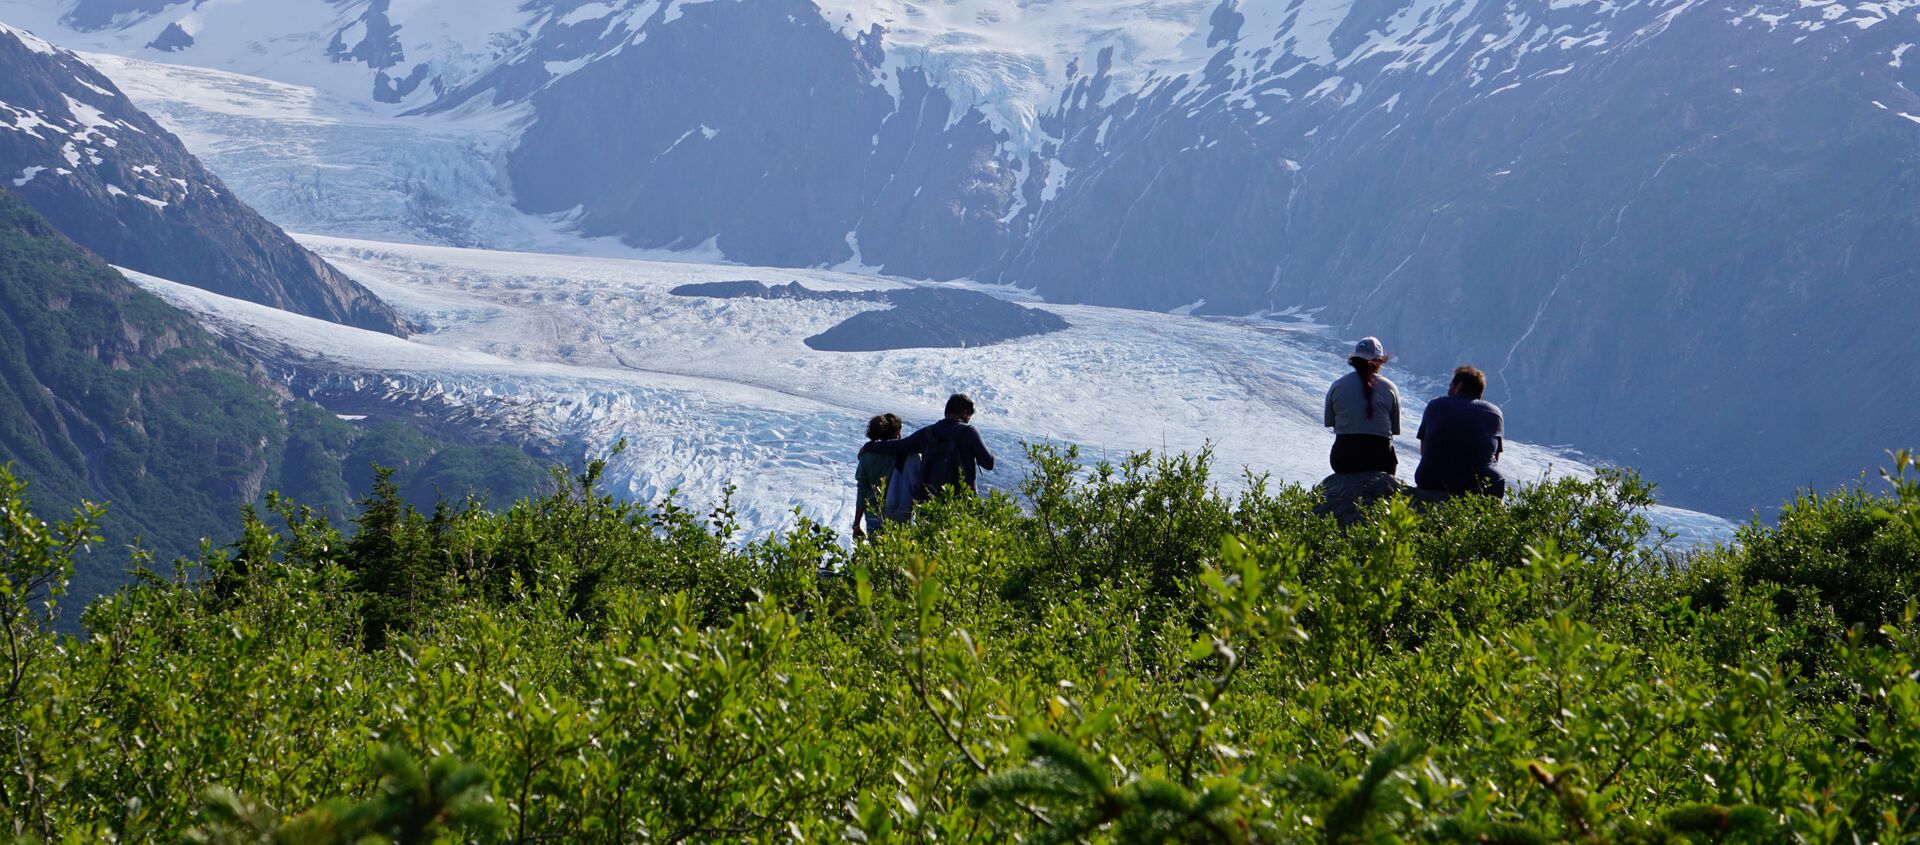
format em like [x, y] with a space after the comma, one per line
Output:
[99, 14]
[1664, 231]
[788, 153]
[113, 180]
[1670, 257]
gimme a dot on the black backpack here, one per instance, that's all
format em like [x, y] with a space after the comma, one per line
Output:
[939, 465]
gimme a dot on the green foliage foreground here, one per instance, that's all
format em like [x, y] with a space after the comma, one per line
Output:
[1123, 655]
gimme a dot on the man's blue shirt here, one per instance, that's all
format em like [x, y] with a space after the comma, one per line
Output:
[1459, 440]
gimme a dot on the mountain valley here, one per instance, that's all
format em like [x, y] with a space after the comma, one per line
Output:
[1512, 186]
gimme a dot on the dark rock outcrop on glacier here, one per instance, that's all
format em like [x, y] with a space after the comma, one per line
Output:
[751, 289]
[938, 319]
[173, 39]
[109, 177]
[920, 318]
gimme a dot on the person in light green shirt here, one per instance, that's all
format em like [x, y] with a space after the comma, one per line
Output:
[870, 475]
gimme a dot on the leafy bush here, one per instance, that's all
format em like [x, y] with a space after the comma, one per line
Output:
[1840, 547]
[1122, 655]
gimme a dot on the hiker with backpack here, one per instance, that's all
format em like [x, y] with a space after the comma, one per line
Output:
[871, 475]
[1363, 409]
[950, 453]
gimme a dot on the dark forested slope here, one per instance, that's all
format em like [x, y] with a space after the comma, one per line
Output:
[107, 394]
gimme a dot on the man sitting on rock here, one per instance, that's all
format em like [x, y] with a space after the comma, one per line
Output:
[1461, 437]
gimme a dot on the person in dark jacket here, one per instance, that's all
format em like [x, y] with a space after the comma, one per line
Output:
[1461, 438]
[951, 450]
[869, 476]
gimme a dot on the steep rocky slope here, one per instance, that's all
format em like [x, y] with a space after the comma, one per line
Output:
[112, 179]
[109, 395]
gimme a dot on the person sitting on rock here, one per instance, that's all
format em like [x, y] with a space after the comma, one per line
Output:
[1461, 438]
[1363, 409]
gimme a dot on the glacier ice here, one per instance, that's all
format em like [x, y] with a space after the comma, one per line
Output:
[716, 393]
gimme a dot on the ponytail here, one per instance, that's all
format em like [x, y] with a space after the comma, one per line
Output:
[1369, 371]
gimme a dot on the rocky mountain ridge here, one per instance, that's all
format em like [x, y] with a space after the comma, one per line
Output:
[103, 172]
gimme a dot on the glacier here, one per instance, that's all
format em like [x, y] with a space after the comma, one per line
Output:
[586, 352]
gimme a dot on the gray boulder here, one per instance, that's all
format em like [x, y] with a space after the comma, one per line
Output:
[1346, 495]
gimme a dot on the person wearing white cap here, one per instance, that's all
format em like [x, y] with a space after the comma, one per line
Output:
[1363, 409]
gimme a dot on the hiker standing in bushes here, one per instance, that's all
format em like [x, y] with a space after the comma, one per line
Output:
[872, 472]
[1461, 438]
[951, 451]
[1363, 409]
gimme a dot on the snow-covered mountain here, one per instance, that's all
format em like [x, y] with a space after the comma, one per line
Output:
[1676, 230]
[103, 172]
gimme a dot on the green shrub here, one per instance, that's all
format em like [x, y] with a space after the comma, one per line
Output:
[1844, 549]
[1124, 654]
